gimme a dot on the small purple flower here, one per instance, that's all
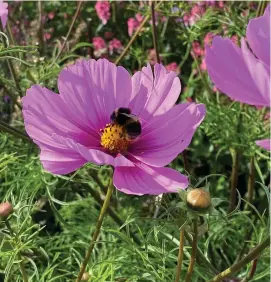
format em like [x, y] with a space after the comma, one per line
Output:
[3, 13]
[241, 73]
[77, 127]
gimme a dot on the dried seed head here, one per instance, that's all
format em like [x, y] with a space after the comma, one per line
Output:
[5, 209]
[198, 199]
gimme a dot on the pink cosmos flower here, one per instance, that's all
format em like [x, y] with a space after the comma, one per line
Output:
[115, 45]
[265, 144]
[98, 43]
[3, 13]
[241, 73]
[133, 24]
[78, 126]
[103, 11]
[197, 49]
[208, 38]
[173, 67]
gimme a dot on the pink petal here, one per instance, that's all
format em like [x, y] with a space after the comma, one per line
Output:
[167, 135]
[260, 73]
[258, 35]
[265, 143]
[60, 161]
[143, 179]
[94, 89]
[94, 155]
[45, 114]
[230, 74]
[154, 95]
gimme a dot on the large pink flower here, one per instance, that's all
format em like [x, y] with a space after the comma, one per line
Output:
[242, 74]
[75, 127]
[3, 13]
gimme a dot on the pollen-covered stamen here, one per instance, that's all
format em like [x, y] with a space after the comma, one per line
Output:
[114, 139]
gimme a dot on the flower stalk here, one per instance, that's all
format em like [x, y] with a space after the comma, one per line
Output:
[97, 231]
[251, 180]
[135, 36]
[180, 256]
[194, 251]
[247, 259]
[154, 32]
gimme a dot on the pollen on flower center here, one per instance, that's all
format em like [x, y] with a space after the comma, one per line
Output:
[114, 138]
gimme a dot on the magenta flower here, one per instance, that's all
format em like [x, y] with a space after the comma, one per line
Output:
[265, 144]
[133, 24]
[241, 73]
[173, 67]
[98, 43]
[103, 11]
[79, 125]
[115, 45]
[3, 13]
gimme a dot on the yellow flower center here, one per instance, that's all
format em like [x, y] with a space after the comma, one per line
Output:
[115, 139]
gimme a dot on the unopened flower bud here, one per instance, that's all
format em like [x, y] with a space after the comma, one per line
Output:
[198, 199]
[5, 209]
[85, 276]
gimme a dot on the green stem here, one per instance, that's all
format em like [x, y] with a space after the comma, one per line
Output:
[234, 178]
[251, 180]
[180, 256]
[252, 271]
[134, 36]
[200, 255]
[154, 33]
[11, 67]
[194, 252]
[7, 128]
[40, 29]
[97, 231]
[70, 30]
[247, 259]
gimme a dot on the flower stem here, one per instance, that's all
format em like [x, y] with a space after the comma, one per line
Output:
[180, 256]
[70, 30]
[97, 231]
[11, 67]
[251, 180]
[200, 256]
[40, 29]
[194, 252]
[7, 128]
[238, 266]
[135, 36]
[234, 178]
[154, 33]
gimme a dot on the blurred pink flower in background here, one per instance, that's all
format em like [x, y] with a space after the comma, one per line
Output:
[51, 15]
[3, 13]
[75, 127]
[197, 49]
[98, 43]
[133, 24]
[115, 46]
[243, 73]
[100, 47]
[234, 39]
[47, 36]
[103, 11]
[173, 67]
[139, 17]
[208, 38]
[152, 57]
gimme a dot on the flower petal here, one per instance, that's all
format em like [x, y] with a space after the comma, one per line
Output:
[45, 114]
[94, 155]
[265, 143]
[167, 135]
[154, 94]
[229, 72]
[60, 161]
[258, 35]
[94, 89]
[143, 179]
[260, 73]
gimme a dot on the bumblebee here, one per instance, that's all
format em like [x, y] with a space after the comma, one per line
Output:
[130, 122]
